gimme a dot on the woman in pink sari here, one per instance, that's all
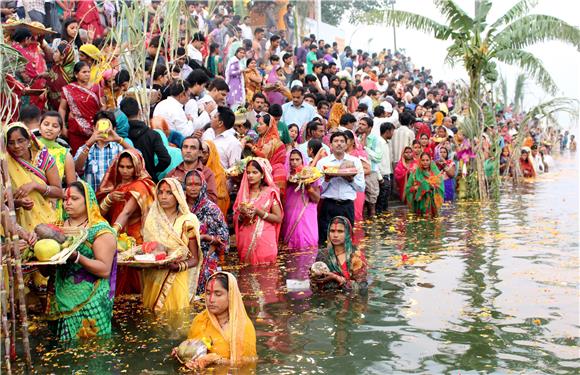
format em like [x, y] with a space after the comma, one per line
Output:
[274, 87]
[405, 166]
[300, 225]
[87, 13]
[269, 146]
[257, 214]
[82, 101]
[35, 70]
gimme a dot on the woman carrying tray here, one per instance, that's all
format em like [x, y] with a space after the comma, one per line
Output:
[171, 223]
[84, 287]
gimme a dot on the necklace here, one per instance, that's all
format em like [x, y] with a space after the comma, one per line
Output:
[83, 224]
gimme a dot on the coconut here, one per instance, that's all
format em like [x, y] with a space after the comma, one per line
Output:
[319, 269]
[190, 349]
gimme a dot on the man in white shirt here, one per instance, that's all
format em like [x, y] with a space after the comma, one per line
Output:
[200, 111]
[297, 112]
[171, 109]
[223, 135]
[385, 167]
[403, 136]
[246, 29]
[193, 48]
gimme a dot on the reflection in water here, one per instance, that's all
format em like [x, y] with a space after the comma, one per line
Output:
[483, 288]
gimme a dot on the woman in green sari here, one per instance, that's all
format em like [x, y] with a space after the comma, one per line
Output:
[425, 189]
[347, 266]
[84, 287]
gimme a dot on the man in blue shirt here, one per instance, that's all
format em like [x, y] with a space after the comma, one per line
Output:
[338, 193]
[297, 112]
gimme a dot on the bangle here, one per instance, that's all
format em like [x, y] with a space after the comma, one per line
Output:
[78, 257]
[265, 216]
[121, 141]
[46, 191]
[117, 227]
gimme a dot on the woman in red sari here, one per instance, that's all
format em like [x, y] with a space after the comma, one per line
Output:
[405, 166]
[258, 214]
[81, 100]
[526, 165]
[61, 73]
[125, 195]
[35, 70]
[87, 14]
[269, 146]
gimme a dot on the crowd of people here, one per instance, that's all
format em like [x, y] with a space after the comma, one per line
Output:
[238, 122]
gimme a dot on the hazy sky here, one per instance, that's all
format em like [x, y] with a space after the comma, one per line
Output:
[562, 61]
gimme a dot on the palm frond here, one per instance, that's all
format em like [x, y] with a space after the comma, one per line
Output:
[519, 93]
[536, 28]
[457, 17]
[520, 9]
[531, 65]
[481, 11]
[410, 20]
[504, 90]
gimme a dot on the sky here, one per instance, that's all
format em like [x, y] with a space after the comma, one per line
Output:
[561, 60]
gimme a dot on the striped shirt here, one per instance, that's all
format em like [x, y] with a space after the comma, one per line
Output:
[98, 162]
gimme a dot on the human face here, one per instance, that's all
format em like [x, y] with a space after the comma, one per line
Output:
[307, 100]
[57, 57]
[441, 132]
[204, 153]
[84, 74]
[343, 85]
[190, 150]
[443, 153]
[338, 145]
[259, 104]
[241, 54]
[297, 99]
[408, 154]
[363, 127]
[262, 127]
[217, 297]
[293, 133]
[126, 169]
[417, 149]
[165, 196]
[74, 202]
[240, 129]
[337, 234]
[295, 160]
[192, 187]
[72, 29]
[50, 128]
[216, 123]
[424, 140]
[254, 175]
[252, 64]
[319, 132]
[18, 144]
[524, 155]
[323, 111]
[425, 162]
[219, 96]
[419, 111]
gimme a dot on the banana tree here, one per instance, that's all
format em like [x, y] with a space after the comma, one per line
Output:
[479, 44]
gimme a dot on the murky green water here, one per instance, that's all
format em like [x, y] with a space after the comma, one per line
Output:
[489, 289]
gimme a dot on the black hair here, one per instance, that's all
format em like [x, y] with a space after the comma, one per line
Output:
[79, 186]
[219, 85]
[64, 35]
[222, 278]
[29, 113]
[315, 145]
[275, 110]
[122, 76]
[379, 111]
[258, 95]
[21, 34]
[106, 115]
[78, 66]
[155, 42]
[198, 37]
[129, 106]
[297, 152]
[407, 118]
[256, 165]
[347, 118]
[386, 126]
[160, 70]
[23, 132]
[266, 118]
[348, 134]
[286, 56]
[322, 103]
[178, 87]
[338, 134]
[227, 116]
[297, 88]
[192, 137]
[53, 114]
[368, 120]
[274, 38]
[197, 77]
[293, 126]
[258, 30]
[310, 78]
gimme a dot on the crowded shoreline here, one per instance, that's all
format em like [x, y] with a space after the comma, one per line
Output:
[241, 144]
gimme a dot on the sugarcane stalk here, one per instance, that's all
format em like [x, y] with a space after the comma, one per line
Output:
[3, 297]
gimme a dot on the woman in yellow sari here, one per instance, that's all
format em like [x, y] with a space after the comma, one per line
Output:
[211, 159]
[170, 223]
[225, 323]
[34, 177]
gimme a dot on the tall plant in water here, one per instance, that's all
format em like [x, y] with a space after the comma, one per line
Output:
[479, 44]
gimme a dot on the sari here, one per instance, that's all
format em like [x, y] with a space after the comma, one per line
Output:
[273, 96]
[235, 81]
[402, 171]
[251, 86]
[82, 306]
[34, 68]
[425, 191]
[165, 290]
[354, 269]
[60, 75]
[359, 202]
[83, 106]
[23, 172]
[238, 342]
[58, 152]
[269, 146]
[213, 163]
[213, 223]
[142, 189]
[257, 239]
[87, 14]
[300, 224]
[448, 182]
[527, 167]
[336, 112]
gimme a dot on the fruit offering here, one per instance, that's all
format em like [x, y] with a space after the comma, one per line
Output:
[45, 249]
[319, 269]
[192, 349]
[49, 231]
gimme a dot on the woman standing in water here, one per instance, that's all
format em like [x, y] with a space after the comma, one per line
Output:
[425, 189]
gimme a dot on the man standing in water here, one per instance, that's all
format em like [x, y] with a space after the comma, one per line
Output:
[338, 193]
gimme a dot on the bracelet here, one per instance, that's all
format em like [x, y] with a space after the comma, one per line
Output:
[117, 227]
[46, 191]
[121, 141]
[86, 149]
[265, 215]
[78, 257]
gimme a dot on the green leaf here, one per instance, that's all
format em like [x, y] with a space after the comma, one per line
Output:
[520, 9]
[531, 65]
[457, 17]
[410, 20]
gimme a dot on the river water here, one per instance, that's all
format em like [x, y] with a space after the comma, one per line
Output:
[481, 289]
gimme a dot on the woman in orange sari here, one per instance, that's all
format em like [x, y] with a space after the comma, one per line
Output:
[269, 146]
[257, 214]
[211, 159]
[126, 193]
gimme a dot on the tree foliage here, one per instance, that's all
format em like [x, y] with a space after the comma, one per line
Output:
[334, 11]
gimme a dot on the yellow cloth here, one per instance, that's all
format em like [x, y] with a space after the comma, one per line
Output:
[213, 163]
[164, 290]
[238, 342]
[42, 211]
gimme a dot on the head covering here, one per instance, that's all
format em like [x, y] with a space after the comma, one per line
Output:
[91, 50]
[387, 106]
[438, 118]
[336, 112]
[213, 163]
[304, 159]
[92, 205]
[66, 67]
[271, 134]
[239, 322]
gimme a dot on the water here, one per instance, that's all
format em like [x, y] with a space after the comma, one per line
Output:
[483, 289]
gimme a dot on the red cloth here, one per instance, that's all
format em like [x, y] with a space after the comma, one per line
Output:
[87, 14]
[83, 105]
[36, 66]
